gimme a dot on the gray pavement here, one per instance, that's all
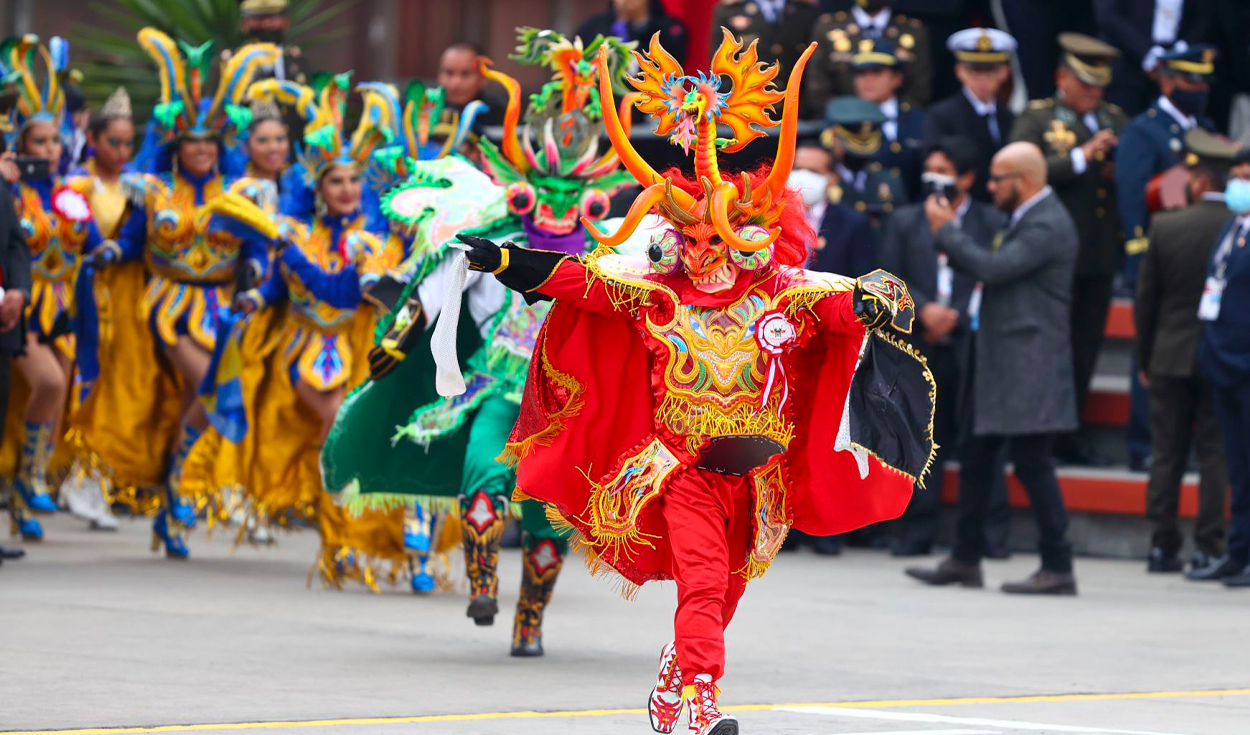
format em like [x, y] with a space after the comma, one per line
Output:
[96, 632]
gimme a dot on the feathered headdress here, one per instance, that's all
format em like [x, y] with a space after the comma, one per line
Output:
[688, 109]
[35, 101]
[426, 133]
[568, 149]
[185, 110]
[324, 144]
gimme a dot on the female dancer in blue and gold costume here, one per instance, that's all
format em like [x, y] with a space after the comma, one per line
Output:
[309, 327]
[145, 418]
[57, 223]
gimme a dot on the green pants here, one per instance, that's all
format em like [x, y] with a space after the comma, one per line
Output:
[488, 434]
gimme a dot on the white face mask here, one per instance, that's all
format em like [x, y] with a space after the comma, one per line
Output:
[810, 185]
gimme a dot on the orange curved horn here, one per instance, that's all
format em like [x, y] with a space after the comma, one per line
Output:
[788, 136]
[633, 162]
[725, 195]
[511, 115]
[649, 197]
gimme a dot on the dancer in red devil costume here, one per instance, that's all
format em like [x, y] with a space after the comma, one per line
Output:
[685, 410]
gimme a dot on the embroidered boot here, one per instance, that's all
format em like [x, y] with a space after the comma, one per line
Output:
[166, 534]
[31, 482]
[665, 704]
[481, 522]
[705, 715]
[541, 560]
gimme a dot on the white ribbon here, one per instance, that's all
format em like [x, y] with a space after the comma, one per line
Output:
[447, 377]
[774, 364]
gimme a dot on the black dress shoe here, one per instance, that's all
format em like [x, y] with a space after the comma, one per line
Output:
[1159, 561]
[1043, 582]
[949, 571]
[1240, 579]
[826, 545]
[7, 553]
[1216, 570]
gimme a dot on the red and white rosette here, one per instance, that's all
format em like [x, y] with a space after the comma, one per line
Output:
[775, 333]
[70, 205]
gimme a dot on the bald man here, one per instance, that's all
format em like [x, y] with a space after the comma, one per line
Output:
[1023, 390]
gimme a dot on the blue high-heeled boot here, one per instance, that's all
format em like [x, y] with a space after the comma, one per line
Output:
[418, 528]
[21, 522]
[31, 483]
[162, 534]
[183, 513]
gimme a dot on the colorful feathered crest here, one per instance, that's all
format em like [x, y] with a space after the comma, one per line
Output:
[739, 94]
[185, 109]
[322, 108]
[428, 133]
[19, 59]
[557, 156]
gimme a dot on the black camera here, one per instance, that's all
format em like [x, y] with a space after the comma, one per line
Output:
[33, 168]
[943, 186]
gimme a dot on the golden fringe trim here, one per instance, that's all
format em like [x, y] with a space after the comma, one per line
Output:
[514, 452]
[928, 376]
[136, 499]
[336, 566]
[590, 556]
[625, 295]
[754, 568]
[685, 417]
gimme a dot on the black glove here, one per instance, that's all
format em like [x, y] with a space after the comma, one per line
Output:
[869, 309]
[483, 254]
[397, 343]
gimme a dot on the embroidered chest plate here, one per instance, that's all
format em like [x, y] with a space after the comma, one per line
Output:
[180, 244]
[55, 243]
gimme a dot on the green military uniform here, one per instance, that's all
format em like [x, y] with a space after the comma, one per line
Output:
[864, 183]
[829, 73]
[782, 39]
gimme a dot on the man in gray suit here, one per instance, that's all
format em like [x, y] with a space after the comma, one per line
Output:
[945, 307]
[1023, 390]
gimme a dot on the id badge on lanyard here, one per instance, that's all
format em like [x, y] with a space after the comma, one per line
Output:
[1213, 289]
[945, 279]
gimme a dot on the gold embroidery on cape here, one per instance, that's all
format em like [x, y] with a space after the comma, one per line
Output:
[615, 505]
[556, 422]
[771, 520]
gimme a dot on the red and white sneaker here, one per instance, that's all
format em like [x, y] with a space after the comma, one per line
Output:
[705, 716]
[665, 705]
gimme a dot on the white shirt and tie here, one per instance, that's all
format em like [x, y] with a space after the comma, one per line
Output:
[890, 109]
[873, 25]
[987, 111]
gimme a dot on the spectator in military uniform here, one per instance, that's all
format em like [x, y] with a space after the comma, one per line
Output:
[782, 27]
[982, 63]
[854, 137]
[878, 76]
[844, 243]
[1078, 132]
[266, 21]
[461, 79]
[830, 74]
[639, 20]
[1182, 411]
[945, 307]
[1224, 359]
[1150, 144]
[1146, 30]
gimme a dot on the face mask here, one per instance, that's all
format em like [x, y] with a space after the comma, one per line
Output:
[810, 184]
[1237, 196]
[1189, 102]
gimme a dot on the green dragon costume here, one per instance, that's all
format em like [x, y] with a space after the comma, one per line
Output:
[395, 439]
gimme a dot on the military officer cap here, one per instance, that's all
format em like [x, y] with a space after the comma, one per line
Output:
[856, 122]
[1208, 148]
[1196, 62]
[875, 54]
[262, 7]
[986, 46]
[1088, 58]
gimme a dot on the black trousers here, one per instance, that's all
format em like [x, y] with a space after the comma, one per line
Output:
[1091, 301]
[1036, 470]
[1232, 406]
[951, 421]
[6, 385]
[1182, 415]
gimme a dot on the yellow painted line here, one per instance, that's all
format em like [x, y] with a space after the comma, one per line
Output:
[474, 717]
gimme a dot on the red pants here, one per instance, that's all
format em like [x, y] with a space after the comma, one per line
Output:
[709, 530]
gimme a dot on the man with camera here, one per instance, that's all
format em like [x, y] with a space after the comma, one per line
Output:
[946, 304]
[1079, 131]
[14, 289]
